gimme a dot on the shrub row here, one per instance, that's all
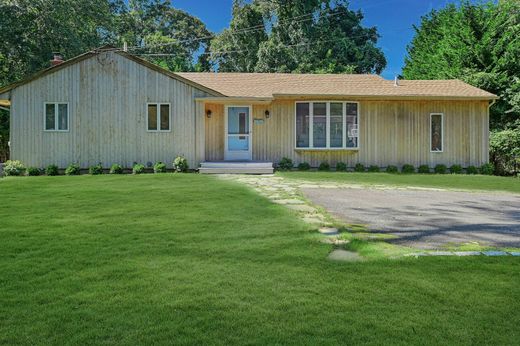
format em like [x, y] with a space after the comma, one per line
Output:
[286, 164]
[17, 168]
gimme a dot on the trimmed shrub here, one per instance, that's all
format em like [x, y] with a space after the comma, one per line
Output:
[304, 166]
[138, 168]
[408, 169]
[51, 170]
[392, 169]
[324, 166]
[373, 169]
[504, 150]
[359, 167]
[423, 169]
[14, 168]
[487, 169]
[72, 169]
[159, 167]
[96, 170]
[33, 171]
[440, 169]
[472, 170]
[341, 167]
[456, 169]
[180, 164]
[285, 164]
[116, 169]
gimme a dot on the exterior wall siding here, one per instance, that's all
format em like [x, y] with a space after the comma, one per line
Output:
[107, 96]
[391, 133]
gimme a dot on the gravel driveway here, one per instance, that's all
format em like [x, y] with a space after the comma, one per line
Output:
[427, 219]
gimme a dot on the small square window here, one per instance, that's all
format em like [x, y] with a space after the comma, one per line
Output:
[158, 117]
[56, 116]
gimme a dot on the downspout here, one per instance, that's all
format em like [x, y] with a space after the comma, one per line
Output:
[5, 109]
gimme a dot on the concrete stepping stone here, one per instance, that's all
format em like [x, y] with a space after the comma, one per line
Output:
[494, 253]
[312, 220]
[440, 253]
[289, 201]
[328, 231]
[344, 256]
[334, 241]
[467, 253]
[301, 207]
[514, 253]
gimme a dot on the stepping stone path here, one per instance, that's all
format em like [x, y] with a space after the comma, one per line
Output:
[287, 193]
[344, 256]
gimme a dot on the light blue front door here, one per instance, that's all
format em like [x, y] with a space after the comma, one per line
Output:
[238, 133]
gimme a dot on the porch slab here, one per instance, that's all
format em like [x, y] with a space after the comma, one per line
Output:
[236, 167]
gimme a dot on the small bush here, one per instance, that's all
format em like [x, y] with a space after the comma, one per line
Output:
[487, 169]
[116, 169]
[51, 170]
[33, 171]
[304, 166]
[423, 169]
[472, 170]
[341, 167]
[392, 169]
[285, 164]
[456, 169]
[14, 168]
[373, 169]
[440, 169]
[408, 169]
[324, 166]
[159, 167]
[359, 167]
[96, 170]
[72, 169]
[138, 168]
[180, 164]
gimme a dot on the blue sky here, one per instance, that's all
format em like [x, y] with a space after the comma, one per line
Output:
[393, 18]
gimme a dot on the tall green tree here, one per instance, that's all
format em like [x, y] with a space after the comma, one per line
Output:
[235, 49]
[477, 43]
[306, 36]
[155, 27]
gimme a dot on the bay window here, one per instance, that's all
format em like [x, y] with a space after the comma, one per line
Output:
[327, 125]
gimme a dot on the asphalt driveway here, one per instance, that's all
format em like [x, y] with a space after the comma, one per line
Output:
[427, 219]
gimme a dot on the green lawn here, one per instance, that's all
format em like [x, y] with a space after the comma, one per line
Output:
[445, 181]
[189, 259]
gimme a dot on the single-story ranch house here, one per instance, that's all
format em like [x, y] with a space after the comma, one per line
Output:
[110, 106]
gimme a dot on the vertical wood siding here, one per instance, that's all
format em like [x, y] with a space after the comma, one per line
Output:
[107, 97]
[391, 133]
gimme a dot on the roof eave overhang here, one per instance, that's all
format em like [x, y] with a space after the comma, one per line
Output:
[235, 100]
[386, 97]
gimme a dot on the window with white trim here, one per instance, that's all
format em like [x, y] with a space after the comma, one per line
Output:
[56, 116]
[158, 117]
[436, 132]
[327, 125]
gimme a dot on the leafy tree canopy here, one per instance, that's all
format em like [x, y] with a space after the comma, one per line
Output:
[477, 43]
[305, 36]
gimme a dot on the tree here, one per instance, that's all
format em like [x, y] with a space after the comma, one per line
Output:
[477, 43]
[305, 36]
[235, 49]
[155, 27]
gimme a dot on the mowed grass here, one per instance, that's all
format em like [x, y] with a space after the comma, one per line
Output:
[189, 259]
[444, 181]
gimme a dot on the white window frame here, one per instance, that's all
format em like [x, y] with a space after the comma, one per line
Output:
[442, 133]
[159, 104]
[311, 125]
[56, 127]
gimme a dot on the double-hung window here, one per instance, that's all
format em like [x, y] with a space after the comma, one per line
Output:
[158, 117]
[56, 116]
[327, 125]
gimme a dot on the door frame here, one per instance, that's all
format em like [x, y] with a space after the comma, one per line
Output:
[250, 136]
